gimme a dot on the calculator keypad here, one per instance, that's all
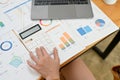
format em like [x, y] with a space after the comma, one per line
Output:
[38, 40]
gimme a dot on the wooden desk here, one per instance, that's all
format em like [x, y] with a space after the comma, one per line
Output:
[113, 12]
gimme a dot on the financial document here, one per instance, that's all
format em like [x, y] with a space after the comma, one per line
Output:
[92, 30]
[51, 34]
[68, 36]
[18, 12]
[5, 24]
[13, 57]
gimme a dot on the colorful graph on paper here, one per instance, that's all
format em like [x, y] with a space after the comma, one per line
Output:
[2, 24]
[66, 41]
[66, 38]
[6, 45]
[84, 30]
[45, 23]
[13, 57]
[16, 61]
[100, 22]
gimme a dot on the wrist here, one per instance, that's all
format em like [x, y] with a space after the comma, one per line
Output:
[53, 78]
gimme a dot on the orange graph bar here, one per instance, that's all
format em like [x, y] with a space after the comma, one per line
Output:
[62, 46]
[64, 41]
[68, 37]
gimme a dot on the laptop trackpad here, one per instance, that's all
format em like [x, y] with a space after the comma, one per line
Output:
[57, 12]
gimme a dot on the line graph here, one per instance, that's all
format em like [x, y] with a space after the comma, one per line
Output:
[19, 14]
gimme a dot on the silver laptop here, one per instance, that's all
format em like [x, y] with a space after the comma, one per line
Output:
[61, 9]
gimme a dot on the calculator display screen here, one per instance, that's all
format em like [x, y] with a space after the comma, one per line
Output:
[30, 31]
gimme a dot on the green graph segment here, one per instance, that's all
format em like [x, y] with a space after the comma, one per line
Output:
[1, 24]
[71, 41]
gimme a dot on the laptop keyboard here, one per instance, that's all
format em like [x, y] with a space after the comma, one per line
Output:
[60, 2]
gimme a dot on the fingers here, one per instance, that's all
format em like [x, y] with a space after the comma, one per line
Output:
[39, 52]
[44, 52]
[31, 65]
[34, 58]
[56, 57]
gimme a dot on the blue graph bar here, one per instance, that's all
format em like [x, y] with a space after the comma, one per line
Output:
[81, 31]
[87, 29]
[84, 30]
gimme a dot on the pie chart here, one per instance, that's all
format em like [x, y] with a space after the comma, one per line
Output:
[6, 45]
[45, 22]
[100, 22]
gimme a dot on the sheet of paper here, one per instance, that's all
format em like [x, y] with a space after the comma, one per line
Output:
[92, 29]
[66, 41]
[18, 12]
[13, 57]
[69, 36]
[53, 34]
[5, 24]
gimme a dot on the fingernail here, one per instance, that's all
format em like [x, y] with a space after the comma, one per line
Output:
[28, 61]
[30, 51]
[37, 48]
[41, 46]
[55, 48]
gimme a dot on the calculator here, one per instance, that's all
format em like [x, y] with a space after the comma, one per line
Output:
[34, 37]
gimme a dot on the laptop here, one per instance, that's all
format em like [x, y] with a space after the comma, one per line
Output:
[61, 9]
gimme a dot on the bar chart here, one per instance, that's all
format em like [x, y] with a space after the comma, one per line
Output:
[84, 30]
[66, 41]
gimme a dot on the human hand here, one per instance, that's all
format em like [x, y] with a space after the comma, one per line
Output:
[48, 67]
